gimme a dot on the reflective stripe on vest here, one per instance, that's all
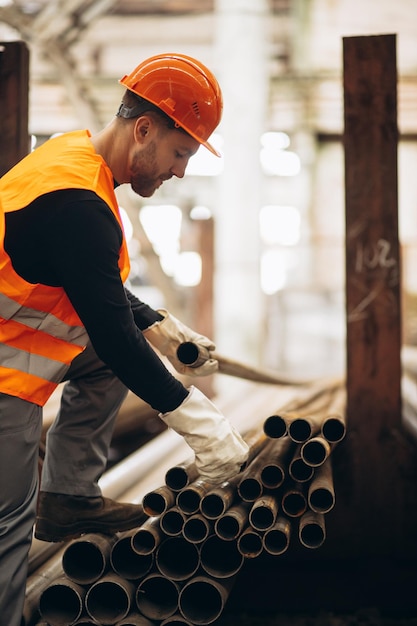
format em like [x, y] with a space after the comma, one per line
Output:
[39, 321]
[53, 346]
[40, 331]
[25, 386]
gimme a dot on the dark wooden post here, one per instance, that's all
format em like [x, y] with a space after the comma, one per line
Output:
[378, 497]
[204, 292]
[14, 103]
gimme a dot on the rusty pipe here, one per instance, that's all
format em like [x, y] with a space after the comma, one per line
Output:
[272, 475]
[301, 428]
[37, 583]
[249, 543]
[125, 561]
[177, 558]
[231, 524]
[158, 500]
[62, 602]
[261, 470]
[219, 558]
[294, 501]
[276, 457]
[312, 530]
[312, 401]
[250, 488]
[306, 420]
[196, 528]
[87, 558]
[200, 507]
[157, 596]
[148, 536]
[202, 599]
[180, 476]
[333, 428]
[315, 451]
[298, 468]
[110, 599]
[321, 493]
[189, 499]
[264, 512]
[172, 521]
[217, 500]
[275, 426]
[193, 355]
[276, 539]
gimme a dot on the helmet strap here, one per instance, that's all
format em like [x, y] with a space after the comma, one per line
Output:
[129, 112]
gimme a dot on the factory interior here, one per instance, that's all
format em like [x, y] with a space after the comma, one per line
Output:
[294, 251]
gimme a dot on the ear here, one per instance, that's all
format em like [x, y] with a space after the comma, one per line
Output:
[142, 129]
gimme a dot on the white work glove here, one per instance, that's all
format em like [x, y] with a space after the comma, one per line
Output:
[219, 449]
[168, 334]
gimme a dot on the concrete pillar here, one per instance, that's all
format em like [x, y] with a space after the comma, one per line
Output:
[242, 69]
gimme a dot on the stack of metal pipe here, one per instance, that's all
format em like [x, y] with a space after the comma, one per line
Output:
[179, 566]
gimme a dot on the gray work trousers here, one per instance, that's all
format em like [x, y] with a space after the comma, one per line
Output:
[76, 456]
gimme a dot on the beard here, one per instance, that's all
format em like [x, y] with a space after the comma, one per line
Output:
[144, 176]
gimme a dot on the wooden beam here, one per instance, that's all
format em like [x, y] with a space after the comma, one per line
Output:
[372, 247]
[202, 303]
[14, 103]
[378, 493]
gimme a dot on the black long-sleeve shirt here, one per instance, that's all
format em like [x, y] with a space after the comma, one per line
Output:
[71, 239]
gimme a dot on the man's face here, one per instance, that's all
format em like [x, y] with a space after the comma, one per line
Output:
[165, 155]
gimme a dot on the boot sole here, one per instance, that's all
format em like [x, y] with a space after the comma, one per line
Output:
[45, 531]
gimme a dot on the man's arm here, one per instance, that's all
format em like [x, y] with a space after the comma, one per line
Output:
[71, 239]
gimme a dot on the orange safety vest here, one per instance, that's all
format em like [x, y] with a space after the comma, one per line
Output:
[40, 331]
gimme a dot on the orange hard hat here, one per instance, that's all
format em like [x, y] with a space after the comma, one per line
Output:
[184, 89]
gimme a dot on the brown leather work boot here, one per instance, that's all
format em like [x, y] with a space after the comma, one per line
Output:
[61, 517]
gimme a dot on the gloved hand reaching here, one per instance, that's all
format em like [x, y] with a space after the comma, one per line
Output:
[219, 449]
[169, 333]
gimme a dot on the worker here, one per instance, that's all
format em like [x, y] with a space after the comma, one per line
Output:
[66, 315]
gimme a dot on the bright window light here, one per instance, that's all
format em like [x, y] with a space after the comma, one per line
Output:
[162, 225]
[200, 213]
[276, 160]
[168, 260]
[273, 272]
[279, 162]
[204, 163]
[277, 141]
[279, 224]
[188, 269]
[127, 224]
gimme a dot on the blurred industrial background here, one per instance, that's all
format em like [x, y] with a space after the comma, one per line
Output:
[250, 248]
[276, 198]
